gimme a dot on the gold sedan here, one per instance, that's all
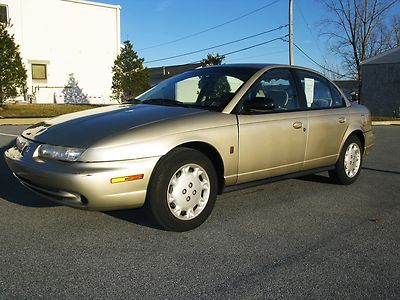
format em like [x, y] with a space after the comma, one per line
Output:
[178, 145]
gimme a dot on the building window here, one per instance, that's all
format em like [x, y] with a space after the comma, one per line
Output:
[3, 14]
[39, 71]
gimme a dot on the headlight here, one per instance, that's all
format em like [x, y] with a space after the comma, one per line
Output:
[59, 153]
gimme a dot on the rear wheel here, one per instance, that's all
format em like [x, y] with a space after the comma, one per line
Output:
[348, 166]
[182, 190]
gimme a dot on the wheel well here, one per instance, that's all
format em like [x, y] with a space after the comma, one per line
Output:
[214, 156]
[360, 136]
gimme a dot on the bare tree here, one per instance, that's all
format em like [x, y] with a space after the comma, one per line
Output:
[332, 71]
[385, 37]
[356, 30]
[395, 27]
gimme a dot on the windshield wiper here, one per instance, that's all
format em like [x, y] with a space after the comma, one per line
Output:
[166, 102]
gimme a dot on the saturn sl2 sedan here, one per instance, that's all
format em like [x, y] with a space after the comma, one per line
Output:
[189, 138]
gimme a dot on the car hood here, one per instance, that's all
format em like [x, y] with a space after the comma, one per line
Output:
[83, 129]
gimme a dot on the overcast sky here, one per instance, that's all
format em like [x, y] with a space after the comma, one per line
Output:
[150, 23]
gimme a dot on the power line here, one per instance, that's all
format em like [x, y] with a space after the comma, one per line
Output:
[217, 46]
[309, 29]
[319, 65]
[256, 56]
[316, 43]
[282, 38]
[211, 28]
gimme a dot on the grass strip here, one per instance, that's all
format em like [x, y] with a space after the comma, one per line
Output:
[41, 110]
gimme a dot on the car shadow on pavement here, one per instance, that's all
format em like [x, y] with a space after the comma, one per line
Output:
[139, 216]
[316, 178]
[12, 191]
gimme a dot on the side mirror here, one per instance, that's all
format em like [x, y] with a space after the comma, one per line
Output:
[259, 105]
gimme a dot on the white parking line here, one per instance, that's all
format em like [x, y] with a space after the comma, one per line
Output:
[7, 134]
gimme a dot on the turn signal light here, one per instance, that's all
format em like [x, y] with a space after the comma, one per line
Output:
[127, 178]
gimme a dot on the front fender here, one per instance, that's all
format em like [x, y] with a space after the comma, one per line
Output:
[221, 138]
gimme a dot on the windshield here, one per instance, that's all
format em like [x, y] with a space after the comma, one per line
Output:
[206, 88]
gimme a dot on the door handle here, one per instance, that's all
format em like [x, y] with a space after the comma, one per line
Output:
[342, 119]
[297, 125]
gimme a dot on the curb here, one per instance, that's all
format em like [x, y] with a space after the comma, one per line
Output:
[386, 123]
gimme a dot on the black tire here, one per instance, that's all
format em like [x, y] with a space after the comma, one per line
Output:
[178, 162]
[339, 174]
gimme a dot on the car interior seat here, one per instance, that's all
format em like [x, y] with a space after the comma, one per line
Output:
[279, 97]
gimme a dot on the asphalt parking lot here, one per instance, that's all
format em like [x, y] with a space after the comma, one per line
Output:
[298, 238]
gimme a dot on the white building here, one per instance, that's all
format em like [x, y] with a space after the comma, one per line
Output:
[61, 37]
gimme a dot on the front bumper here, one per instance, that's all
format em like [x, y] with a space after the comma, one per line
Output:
[84, 185]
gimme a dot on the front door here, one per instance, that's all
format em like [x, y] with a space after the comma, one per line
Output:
[271, 142]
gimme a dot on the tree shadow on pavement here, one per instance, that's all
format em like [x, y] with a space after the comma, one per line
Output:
[381, 170]
[12, 191]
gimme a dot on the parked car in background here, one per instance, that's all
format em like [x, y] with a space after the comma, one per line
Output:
[178, 145]
[351, 95]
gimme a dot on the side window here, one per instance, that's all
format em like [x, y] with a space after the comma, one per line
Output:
[275, 87]
[319, 92]
[338, 100]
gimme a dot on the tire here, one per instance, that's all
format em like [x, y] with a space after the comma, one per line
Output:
[348, 166]
[182, 190]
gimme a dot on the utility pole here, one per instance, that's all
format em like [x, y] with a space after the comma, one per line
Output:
[291, 56]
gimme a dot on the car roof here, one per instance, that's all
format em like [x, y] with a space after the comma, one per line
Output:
[244, 65]
[259, 66]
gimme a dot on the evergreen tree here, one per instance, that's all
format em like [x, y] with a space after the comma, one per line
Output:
[222, 86]
[130, 78]
[12, 70]
[73, 93]
[212, 59]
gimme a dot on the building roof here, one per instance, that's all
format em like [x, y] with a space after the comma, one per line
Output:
[347, 84]
[158, 74]
[388, 57]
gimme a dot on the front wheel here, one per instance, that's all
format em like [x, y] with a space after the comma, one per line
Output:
[348, 166]
[182, 190]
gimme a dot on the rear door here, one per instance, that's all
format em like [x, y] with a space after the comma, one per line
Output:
[327, 120]
[273, 142]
